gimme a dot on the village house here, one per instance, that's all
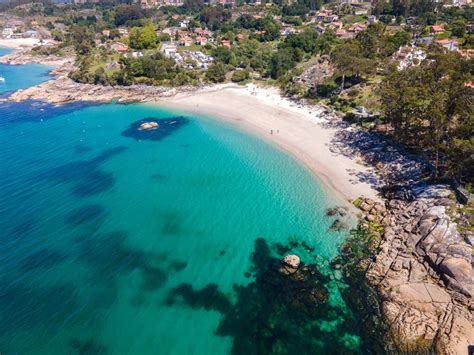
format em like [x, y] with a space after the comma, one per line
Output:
[169, 50]
[340, 32]
[409, 56]
[320, 29]
[371, 19]
[336, 25]
[123, 31]
[106, 33]
[449, 44]
[185, 41]
[202, 41]
[466, 53]
[173, 2]
[226, 43]
[119, 47]
[356, 27]
[202, 32]
[184, 23]
[31, 34]
[332, 18]
[437, 29]
[8, 32]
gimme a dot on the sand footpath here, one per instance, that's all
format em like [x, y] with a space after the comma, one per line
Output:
[296, 129]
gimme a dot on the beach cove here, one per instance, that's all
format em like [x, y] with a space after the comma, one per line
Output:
[147, 237]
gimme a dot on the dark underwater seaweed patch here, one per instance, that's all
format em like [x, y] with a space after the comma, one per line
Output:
[178, 265]
[209, 298]
[45, 259]
[87, 347]
[171, 223]
[86, 214]
[27, 307]
[35, 111]
[167, 126]
[276, 313]
[86, 177]
[81, 148]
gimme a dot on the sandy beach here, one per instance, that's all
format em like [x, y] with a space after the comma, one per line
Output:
[19, 43]
[297, 130]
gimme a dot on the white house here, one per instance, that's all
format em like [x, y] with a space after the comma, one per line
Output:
[7, 32]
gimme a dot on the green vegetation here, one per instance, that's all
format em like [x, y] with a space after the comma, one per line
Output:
[430, 109]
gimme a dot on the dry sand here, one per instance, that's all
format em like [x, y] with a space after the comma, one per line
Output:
[296, 130]
[19, 43]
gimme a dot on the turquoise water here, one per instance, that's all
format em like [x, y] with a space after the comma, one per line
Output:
[21, 77]
[117, 245]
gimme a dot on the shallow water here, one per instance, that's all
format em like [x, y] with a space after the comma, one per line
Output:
[21, 77]
[118, 243]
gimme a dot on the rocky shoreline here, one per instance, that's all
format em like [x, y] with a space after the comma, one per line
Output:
[64, 90]
[21, 57]
[422, 271]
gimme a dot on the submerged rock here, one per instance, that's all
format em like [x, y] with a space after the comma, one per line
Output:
[148, 126]
[154, 129]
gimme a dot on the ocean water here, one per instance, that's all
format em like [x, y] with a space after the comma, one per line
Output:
[116, 241]
[21, 77]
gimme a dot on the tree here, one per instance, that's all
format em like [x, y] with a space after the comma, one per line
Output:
[350, 61]
[126, 13]
[216, 72]
[458, 28]
[143, 37]
[240, 75]
[283, 60]
[430, 108]
[82, 39]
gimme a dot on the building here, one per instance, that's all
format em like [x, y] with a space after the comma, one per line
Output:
[185, 41]
[226, 43]
[184, 23]
[31, 34]
[202, 41]
[371, 19]
[437, 29]
[119, 47]
[356, 27]
[336, 25]
[409, 56]
[449, 44]
[169, 50]
[320, 29]
[7, 32]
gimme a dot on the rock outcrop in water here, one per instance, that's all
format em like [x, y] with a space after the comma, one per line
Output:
[423, 271]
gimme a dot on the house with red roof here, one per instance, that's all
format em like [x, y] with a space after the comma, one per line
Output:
[449, 44]
[336, 25]
[185, 41]
[356, 27]
[202, 41]
[437, 29]
[119, 47]
[226, 43]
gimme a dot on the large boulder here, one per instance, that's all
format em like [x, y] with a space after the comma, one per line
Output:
[458, 268]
